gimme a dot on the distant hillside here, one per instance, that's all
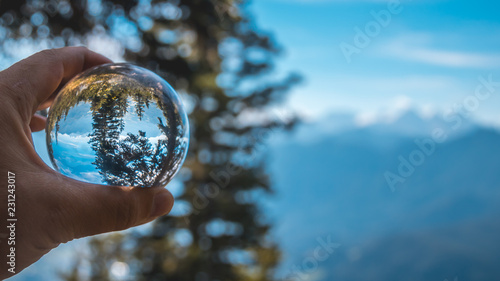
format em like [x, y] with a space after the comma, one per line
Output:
[468, 250]
[335, 186]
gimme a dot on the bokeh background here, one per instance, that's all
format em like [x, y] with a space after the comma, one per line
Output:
[331, 140]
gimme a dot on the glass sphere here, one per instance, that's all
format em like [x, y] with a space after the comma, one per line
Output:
[118, 124]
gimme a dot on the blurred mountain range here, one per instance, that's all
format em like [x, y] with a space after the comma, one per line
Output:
[440, 222]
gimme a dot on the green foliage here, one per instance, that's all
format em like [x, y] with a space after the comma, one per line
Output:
[212, 53]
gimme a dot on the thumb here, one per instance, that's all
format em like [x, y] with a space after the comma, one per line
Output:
[95, 209]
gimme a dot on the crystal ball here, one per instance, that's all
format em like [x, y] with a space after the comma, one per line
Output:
[118, 124]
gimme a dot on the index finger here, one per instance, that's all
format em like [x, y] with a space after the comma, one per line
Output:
[33, 80]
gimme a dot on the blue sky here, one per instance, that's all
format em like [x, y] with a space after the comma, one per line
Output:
[429, 55]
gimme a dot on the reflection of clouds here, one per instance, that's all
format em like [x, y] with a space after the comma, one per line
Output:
[79, 173]
[73, 140]
[74, 156]
[78, 120]
[149, 122]
[154, 140]
[91, 176]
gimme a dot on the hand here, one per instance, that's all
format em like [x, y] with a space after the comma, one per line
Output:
[51, 208]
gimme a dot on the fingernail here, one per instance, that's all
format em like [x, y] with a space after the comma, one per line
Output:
[162, 204]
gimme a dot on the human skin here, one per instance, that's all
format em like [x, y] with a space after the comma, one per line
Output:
[51, 208]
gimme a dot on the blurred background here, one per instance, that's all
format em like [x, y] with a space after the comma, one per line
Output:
[331, 140]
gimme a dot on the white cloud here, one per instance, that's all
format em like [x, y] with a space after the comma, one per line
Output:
[417, 48]
[364, 119]
[391, 111]
[396, 85]
[331, 93]
[402, 103]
